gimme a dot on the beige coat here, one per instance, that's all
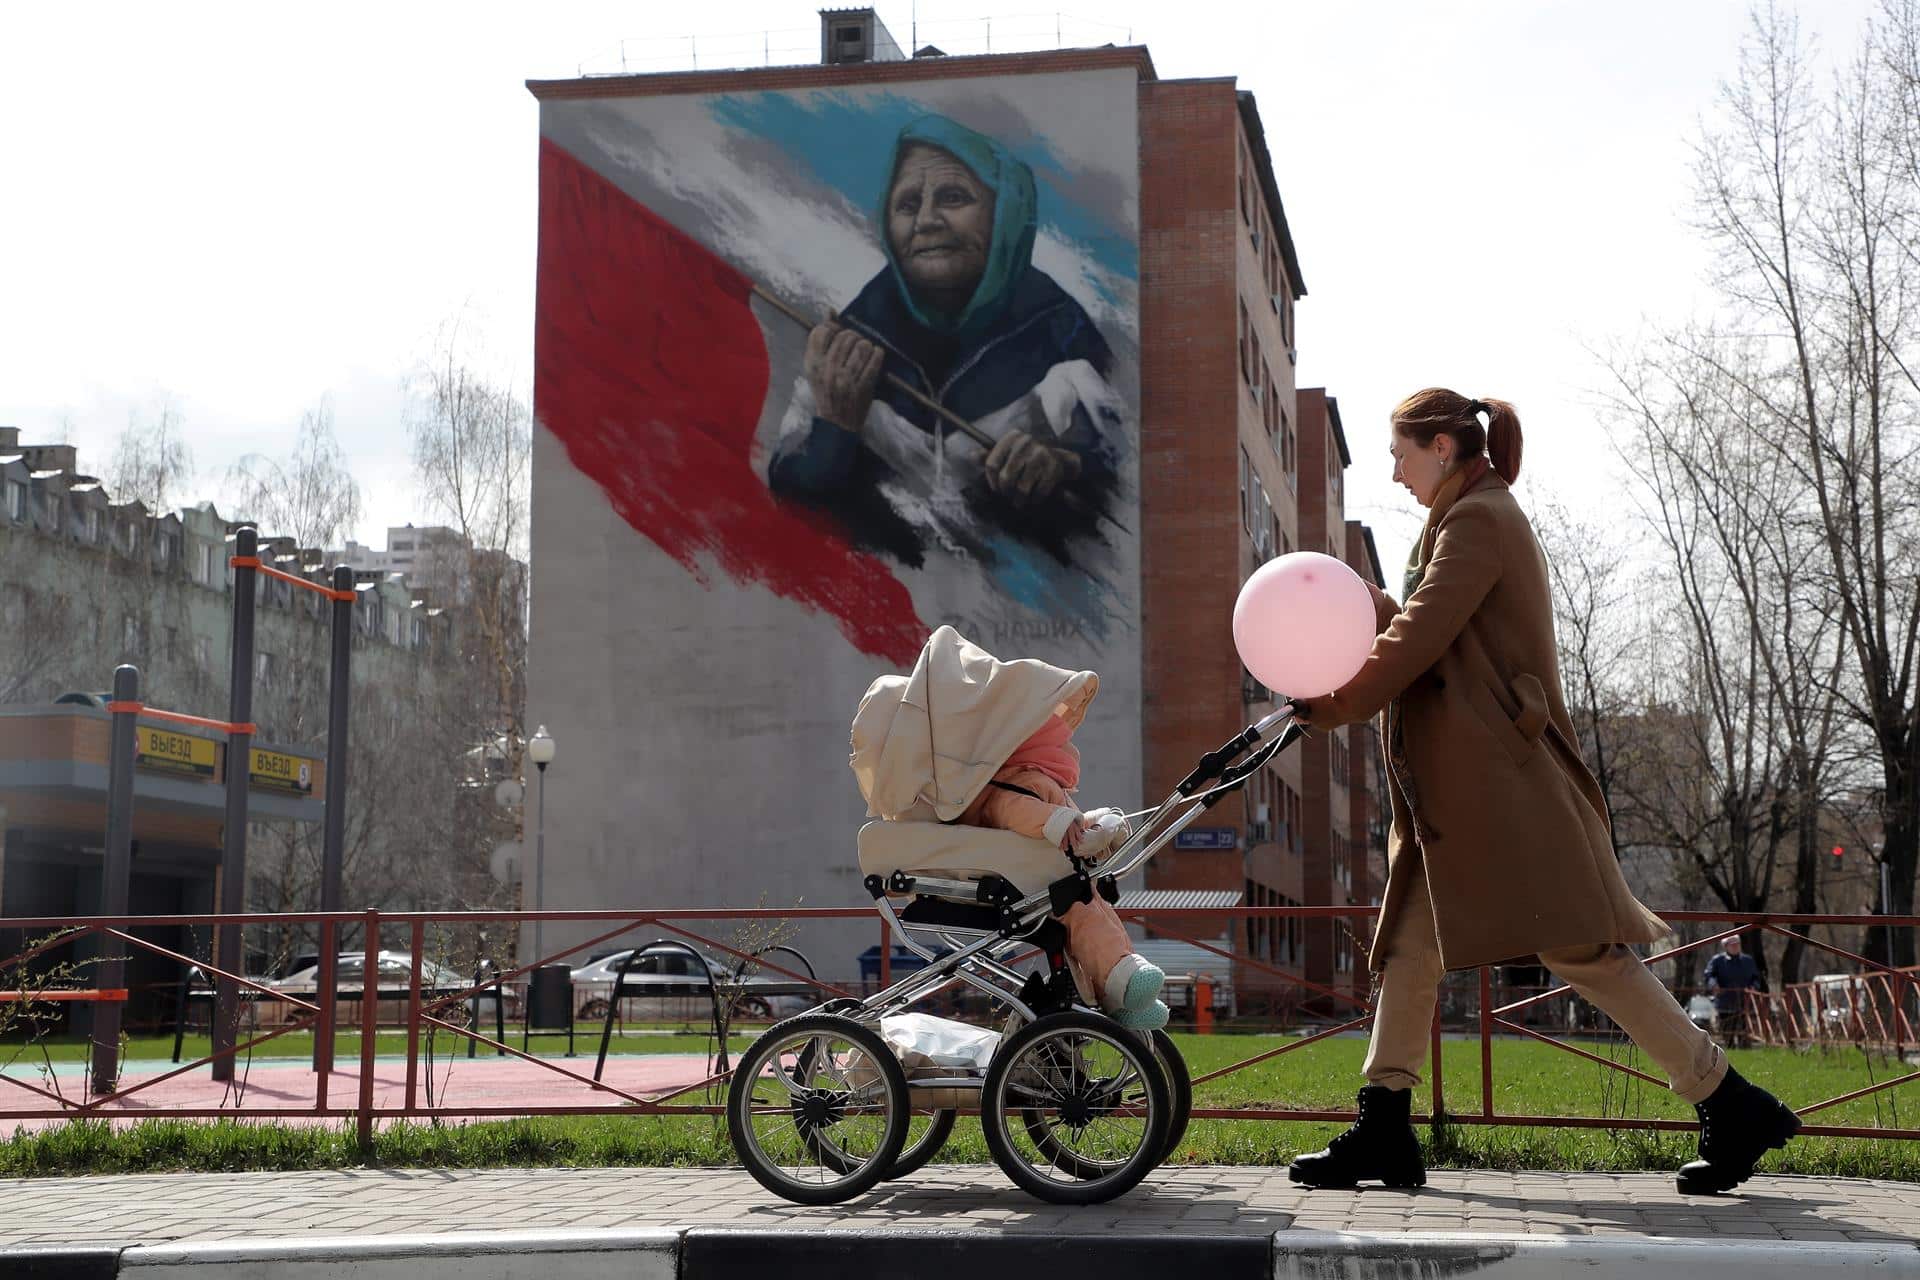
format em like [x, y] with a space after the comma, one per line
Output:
[1486, 782]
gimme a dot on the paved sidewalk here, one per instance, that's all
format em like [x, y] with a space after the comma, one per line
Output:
[155, 1208]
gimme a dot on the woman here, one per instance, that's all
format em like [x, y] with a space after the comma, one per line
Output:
[960, 314]
[1501, 845]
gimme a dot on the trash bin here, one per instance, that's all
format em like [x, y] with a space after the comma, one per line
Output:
[550, 1002]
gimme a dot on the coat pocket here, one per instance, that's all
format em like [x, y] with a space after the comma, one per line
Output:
[1506, 729]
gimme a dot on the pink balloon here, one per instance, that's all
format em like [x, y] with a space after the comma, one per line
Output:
[1303, 624]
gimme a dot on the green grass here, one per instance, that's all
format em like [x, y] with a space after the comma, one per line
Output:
[1529, 1079]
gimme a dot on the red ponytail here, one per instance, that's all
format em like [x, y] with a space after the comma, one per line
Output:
[1503, 439]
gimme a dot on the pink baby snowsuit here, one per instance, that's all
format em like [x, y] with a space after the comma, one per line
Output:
[1027, 796]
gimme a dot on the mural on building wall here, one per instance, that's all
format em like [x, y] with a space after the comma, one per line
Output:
[871, 351]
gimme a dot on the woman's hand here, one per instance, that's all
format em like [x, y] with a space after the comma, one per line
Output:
[1024, 471]
[1076, 836]
[1304, 712]
[842, 368]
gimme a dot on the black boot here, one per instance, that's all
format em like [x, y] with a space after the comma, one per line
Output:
[1739, 1123]
[1380, 1147]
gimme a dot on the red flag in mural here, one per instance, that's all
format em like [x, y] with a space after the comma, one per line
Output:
[651, 369]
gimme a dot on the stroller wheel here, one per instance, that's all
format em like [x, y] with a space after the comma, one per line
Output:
[1075, 1108]
[1180, 1105]
[818, 1109]
[1179, 1091]
[926, 1134]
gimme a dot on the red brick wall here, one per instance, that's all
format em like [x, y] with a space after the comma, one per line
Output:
[1189, 511]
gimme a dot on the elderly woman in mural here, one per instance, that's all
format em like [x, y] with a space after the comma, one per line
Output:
[961, 315]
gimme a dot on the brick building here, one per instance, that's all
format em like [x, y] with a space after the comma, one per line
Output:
[1235, 464]
[1221, 282]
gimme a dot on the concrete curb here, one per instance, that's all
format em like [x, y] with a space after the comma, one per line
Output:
[945, 1254]
[37, 1263]
[938, 1253]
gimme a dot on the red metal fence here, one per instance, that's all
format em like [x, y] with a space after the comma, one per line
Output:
[431, 1013]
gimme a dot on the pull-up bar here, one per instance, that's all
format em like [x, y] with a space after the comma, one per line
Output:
[239, 729]
[331, 593]
[133, 708]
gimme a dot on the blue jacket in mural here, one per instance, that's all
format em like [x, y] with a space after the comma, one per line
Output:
[1023, 355]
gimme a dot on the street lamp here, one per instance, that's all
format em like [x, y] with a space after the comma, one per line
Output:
[540, 749]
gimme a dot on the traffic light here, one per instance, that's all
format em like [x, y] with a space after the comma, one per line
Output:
[1838, 850]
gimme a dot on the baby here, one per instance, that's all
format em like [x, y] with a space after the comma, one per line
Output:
[1030, 795]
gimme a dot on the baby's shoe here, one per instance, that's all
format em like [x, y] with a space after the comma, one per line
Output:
[1132, 984]
[1151, 1018]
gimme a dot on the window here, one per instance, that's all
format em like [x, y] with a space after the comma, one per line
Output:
[401, 546]
[262, 669]
[1246, 171]
[173, 644]
[1246, 345]
[1260, 515]
[1246, 489]
[16, 501]
[203, 652]
[204, 570]
[130, 635]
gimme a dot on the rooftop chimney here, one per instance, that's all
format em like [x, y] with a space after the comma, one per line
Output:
[855, 35]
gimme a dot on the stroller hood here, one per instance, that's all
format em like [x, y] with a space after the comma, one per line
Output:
[925, 744]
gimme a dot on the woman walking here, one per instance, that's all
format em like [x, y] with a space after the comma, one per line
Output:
[1501, 844]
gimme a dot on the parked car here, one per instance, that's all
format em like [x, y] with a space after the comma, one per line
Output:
[1840, 996]
[665, 984]
[394, 976]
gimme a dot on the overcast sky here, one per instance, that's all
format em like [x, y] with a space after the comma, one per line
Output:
[248, 207]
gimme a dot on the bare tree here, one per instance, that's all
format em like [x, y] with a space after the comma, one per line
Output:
[1596, 611]
[1814, 207]
[310, 495]
[472, 450]
[36, 644]
[151, 462]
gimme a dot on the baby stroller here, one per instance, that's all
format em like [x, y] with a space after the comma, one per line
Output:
[1075, 1108]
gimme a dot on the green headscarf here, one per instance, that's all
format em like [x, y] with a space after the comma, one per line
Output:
[1015, 220]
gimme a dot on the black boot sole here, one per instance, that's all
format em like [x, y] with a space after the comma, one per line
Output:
[1403, 1180]
[1704, 1178]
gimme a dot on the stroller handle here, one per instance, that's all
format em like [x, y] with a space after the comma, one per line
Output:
[1213, 764]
